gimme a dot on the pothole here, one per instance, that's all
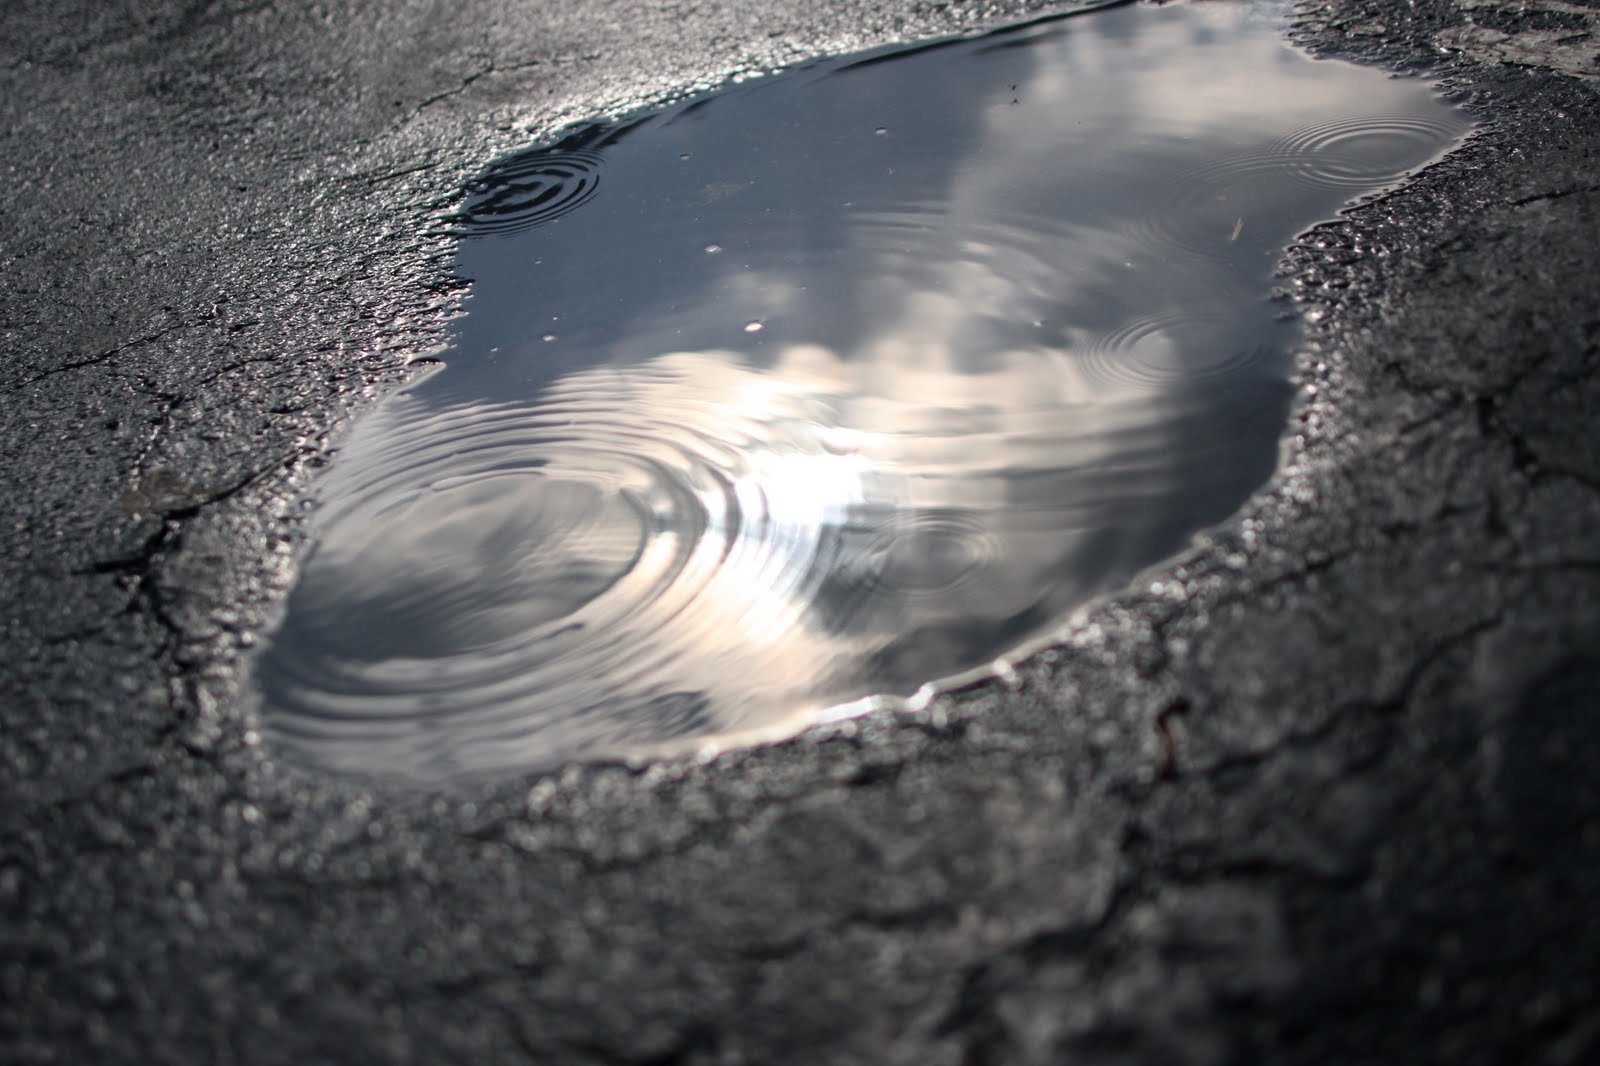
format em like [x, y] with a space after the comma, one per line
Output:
[807, 393]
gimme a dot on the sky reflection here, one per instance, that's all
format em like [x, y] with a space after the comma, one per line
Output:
[1013, 345]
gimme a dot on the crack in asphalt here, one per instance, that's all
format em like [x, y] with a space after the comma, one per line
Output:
[141, 569]
[97, 360]
[467, 82]
[1559, 194]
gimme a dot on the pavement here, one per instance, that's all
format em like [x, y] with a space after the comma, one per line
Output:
[1317, 791]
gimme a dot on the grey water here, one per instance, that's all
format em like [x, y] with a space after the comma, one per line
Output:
[825, 386]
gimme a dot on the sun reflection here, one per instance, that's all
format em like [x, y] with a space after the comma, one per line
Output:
[872, 411]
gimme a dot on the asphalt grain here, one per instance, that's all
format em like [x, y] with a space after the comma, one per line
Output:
[1318, 791]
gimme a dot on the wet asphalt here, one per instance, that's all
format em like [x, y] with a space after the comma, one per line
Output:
[1320, 790]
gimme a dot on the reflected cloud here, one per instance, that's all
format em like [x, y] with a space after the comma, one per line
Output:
[1014, 346]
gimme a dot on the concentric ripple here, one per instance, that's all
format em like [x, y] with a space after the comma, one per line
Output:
[1153, 352]
[929, 554]
[585, 542]
[853, 379]
[530, 190]
[1360, 154]
[559, 569]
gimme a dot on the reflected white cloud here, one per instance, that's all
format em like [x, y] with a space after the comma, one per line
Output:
[1009, 353]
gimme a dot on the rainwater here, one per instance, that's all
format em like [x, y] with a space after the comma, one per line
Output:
[826, 386]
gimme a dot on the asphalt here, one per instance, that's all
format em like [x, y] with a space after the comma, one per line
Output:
[1318, 791]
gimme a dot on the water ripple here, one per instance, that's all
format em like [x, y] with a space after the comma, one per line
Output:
[1157, 350]
[1363, 154]
[501, 579]
[797, 414]
[530, 190]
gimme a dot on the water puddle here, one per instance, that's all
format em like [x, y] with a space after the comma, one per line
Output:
[826, 386]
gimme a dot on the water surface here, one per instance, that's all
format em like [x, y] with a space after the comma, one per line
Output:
[826, 386]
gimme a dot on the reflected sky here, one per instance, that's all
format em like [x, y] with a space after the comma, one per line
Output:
[824, 386]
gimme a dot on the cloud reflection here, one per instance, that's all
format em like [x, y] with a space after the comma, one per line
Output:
[1012, 349]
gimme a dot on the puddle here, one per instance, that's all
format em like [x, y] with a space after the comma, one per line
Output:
[826, 386]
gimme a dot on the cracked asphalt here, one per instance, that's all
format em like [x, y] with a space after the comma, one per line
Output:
[1321, 790]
